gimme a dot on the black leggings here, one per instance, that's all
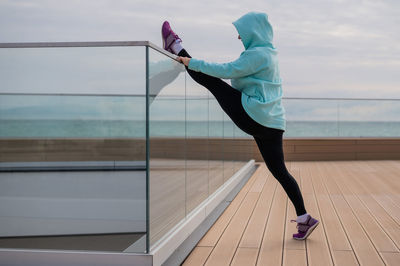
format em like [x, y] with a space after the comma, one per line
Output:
[269, 140]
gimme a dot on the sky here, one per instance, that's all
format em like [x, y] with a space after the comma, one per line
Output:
[327, 48]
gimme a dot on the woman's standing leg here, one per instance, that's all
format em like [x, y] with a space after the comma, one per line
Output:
[270, 145]
[271, 149]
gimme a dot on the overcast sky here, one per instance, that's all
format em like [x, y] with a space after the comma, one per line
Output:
[327, 48]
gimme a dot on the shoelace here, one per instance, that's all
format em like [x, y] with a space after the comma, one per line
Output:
[176, 36]
[301, 227]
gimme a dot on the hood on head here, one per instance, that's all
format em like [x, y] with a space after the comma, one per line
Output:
[254, 30]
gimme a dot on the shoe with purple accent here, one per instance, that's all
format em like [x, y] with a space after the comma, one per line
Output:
[305, 228]
[169, 37]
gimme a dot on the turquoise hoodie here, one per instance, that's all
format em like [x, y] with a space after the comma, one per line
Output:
[255, 73]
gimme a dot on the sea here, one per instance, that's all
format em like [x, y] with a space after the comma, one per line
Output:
[67, 128]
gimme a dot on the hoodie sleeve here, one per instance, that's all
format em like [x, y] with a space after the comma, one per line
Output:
[245, 65]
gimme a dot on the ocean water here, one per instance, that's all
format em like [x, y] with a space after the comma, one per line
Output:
[55, 128]
[99, 116]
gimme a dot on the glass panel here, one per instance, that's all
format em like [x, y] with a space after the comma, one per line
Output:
[47, 205]
[167, 144]
[197, 144]
[342, 118]
[91, 70]
[243, 149]
[369, 118]
[311, 118]
[215, 150]
[228, 145]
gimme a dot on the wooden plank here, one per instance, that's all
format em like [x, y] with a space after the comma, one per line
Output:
[382, 148]
[318, 252]
[320, 156]
[290, 244]
[335, 233]
[320, 248]
[215, 232]
[373, 187]
[229, 241]
[294, 257]
[379, 238]
[290, 228]
[391, 258]
[320, 141]
[198, 256]
[253, 234]
[261, 178]
[305, 176]
[387, 181]
[395, 198]
[383, 218]
[245, 256]
[389, 206]
[325, 148]
[363, 248]
[344, 257]
[271, 247]
[378, 156]
[388, 141]
[391, 169]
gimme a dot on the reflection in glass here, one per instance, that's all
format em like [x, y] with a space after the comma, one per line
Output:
[167, 128]
[216, 145]
[369, 118]
[57, 143]
[311, 118]
[342, 118]
[228, 143]
[197, 151]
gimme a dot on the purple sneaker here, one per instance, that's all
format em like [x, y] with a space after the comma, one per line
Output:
[168, 36]
[305, 229]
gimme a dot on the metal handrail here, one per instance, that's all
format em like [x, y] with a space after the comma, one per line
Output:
[341, 98]
[87, 44]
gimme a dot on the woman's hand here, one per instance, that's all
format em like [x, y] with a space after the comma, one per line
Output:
[184, 60]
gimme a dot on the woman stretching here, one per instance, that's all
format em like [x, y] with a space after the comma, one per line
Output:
[253, 102]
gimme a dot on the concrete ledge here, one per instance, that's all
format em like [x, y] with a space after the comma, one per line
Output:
[50, 258]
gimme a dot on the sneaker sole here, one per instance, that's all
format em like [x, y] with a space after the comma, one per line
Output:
[309, 231]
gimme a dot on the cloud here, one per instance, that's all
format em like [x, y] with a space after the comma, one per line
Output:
[341, 48]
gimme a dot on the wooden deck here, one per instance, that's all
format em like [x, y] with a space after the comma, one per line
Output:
[357, 202]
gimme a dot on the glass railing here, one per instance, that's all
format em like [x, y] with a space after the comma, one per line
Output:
[341, 117]
[105, 146]
[109, 146]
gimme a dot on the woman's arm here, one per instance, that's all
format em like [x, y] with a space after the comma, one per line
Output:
[247, 64]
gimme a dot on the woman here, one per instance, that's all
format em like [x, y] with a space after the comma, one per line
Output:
[253, 102]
